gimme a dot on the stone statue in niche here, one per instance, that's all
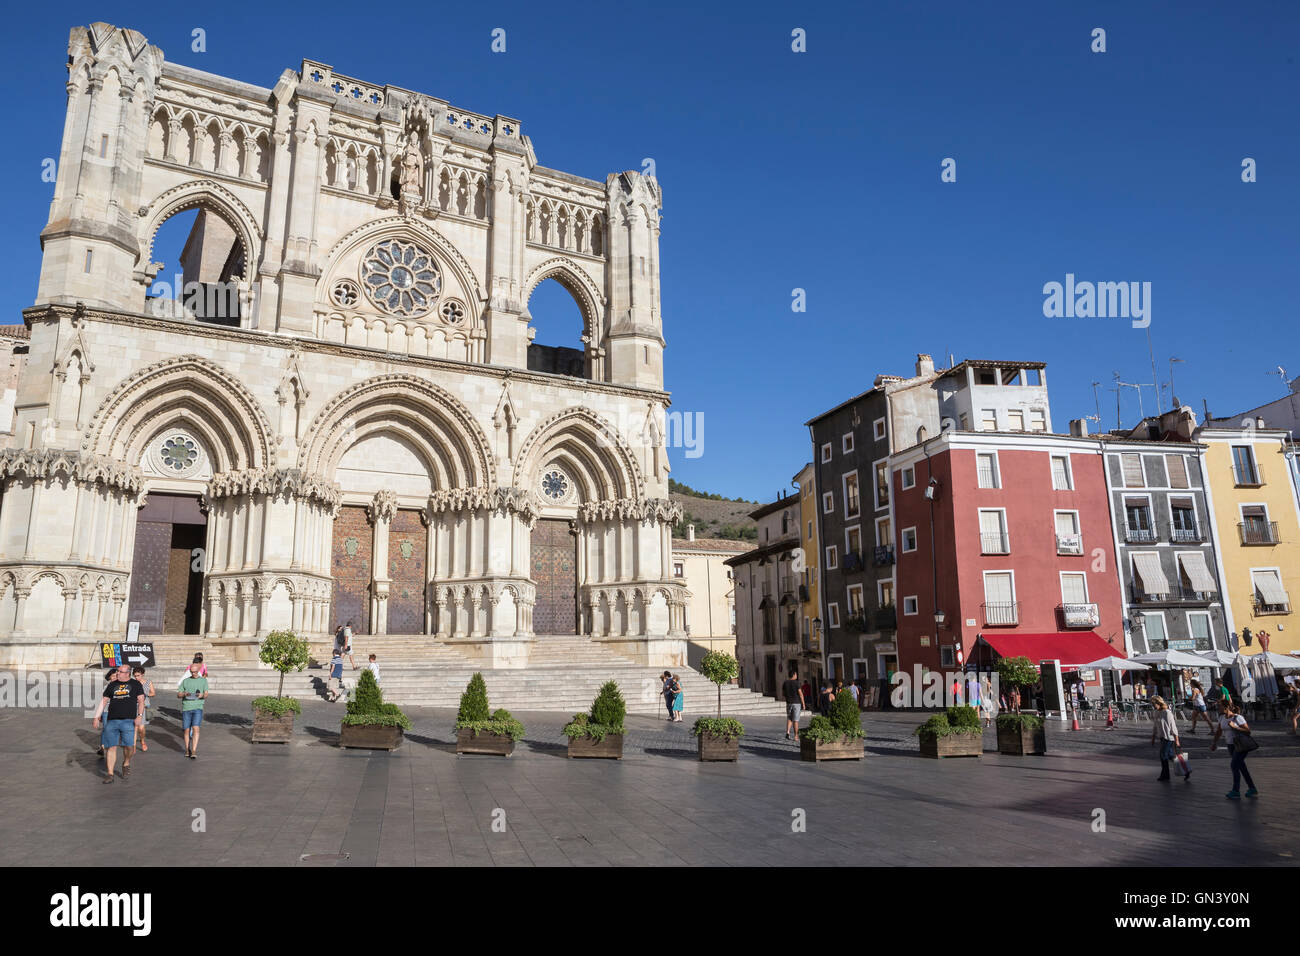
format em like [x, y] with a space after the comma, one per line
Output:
[411, 177]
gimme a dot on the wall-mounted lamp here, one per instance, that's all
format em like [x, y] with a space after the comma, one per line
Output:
[932, 489]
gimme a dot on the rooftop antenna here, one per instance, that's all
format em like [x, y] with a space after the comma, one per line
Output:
[1096, 401]
[1280, 372]
[1173, 395]
[1134, 385]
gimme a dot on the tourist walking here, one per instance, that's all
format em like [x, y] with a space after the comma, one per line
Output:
[794, 701]
[807, 694]
[123, 699]
[1165, 732]
[203, 669]
[347, 644]
[193, 693]
[374, 669]
[338, 637]
[333, 692]
[1199, 707]
[137, 673]
[988, 705]
[1233, 727]
[1015, 700]
[679, 699]
[667, 678]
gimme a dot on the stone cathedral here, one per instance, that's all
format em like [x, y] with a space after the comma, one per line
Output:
[342, 416]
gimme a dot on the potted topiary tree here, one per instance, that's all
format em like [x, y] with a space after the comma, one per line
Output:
[837, 737]
[273, 716]
[956, 733]
[599, 733]
[370, 723]
[479, 731]
[719, 737]
[1016, 672]
[1020, 734]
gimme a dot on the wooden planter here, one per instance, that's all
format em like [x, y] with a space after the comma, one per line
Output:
[494, 745]
[846, 748]
[268, 729]
[1022, 740]
[611, 747]
[954, 745]
[370, 737]
[718, 748]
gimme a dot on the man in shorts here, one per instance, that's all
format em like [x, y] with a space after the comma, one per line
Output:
[123, 699]
[192, 693]
[792, 691]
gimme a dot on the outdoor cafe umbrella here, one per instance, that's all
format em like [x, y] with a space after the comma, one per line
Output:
[1219, 659]
[1172, 660]
[1113, 664]
[1280, 662]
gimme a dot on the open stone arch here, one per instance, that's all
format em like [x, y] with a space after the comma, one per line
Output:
[589, 449]
[576, 281]
[428, 418]
[400, 227]
[188, 391]
[216, 198]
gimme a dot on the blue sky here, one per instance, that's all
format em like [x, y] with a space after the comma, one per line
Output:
[821, 171]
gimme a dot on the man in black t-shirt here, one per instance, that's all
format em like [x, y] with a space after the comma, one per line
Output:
[794, 704]
[124, 701]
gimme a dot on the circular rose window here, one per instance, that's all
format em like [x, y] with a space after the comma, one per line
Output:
[555, 485]
[401, 278]
[178, 455]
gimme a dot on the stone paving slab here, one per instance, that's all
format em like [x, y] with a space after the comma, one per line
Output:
[272, 805]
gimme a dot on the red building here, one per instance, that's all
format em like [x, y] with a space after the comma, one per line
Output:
[1004, 535]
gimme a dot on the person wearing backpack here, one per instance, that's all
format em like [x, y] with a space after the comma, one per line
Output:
[1233, 726]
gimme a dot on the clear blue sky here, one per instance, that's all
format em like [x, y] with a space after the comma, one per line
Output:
[821, 171]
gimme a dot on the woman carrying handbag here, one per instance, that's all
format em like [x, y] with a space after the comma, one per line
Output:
[1166, 731]
[1234, 727]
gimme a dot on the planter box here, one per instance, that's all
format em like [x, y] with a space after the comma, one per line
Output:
[370, 737]
[846, 748]
[954, 745]
[272, 730]
[718, 748]
[495, 745]
[611, 747]
[1022, 740]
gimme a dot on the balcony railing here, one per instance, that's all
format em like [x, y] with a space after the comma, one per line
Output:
[1249, 476]
[1080, 615]
[994, 542]
[1186, 535]
[1177, 595]
[886, 617]
[1260, 607]
[1258, 532]
[1069, 544]
[852, 561]
[1001, 615]
[1139, 535]
[884, 554]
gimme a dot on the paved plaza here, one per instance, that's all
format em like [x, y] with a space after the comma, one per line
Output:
[310, 803]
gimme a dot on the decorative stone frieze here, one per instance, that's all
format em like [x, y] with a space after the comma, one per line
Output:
[649, 510]
[496, 500]
[83, 468]
[288, 483]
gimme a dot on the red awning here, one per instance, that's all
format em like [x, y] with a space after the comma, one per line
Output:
[1070, 648]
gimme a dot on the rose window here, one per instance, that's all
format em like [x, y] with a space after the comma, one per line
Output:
[401, 278]
[453, 313]
[345, 293]
[179, 453]
[555, 485]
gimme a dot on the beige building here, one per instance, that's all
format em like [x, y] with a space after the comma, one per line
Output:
[698, 565]
[343, 414]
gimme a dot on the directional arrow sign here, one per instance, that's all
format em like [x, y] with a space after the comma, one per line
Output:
[138, 654]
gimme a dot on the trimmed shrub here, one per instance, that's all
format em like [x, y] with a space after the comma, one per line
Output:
[609, 707]
[473, 703]
[276, 706]
[964, 719]
[718, 727]
[367, 707]
[285, 652]
[845, 715]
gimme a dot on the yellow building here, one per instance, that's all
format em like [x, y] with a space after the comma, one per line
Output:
[810, 621]
[1256, 519]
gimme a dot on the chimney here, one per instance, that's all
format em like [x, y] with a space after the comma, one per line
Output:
[924, 364]
[690, 532]
[1079, 427]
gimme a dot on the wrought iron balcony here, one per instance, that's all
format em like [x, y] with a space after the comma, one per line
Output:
[884, 554]
[852, 561]
[1260, 607]
[995, 542]
[1258, 532]
[1002, 614]
[1079, 615]
[1139, 535]
[1069, 544]
[1186, 536]
[886, 617]
[1177, 595]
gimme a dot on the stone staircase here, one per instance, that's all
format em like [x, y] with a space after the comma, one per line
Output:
[563, 674]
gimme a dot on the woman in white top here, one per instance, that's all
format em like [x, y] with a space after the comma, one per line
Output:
[1166, 731]
[1199, 706]
[1233, 726]
[988, 705]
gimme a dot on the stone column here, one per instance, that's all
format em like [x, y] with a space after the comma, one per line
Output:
[381, 512]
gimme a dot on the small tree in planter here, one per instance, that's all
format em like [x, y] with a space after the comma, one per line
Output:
[956, 733]
[600, 732]
[1020, 734]
[1017, 672]
[837, 737]
[370, 723]
[719, 737]
[273, 716]
[479, 731]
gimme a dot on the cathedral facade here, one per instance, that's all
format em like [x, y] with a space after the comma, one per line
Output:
[335, 410]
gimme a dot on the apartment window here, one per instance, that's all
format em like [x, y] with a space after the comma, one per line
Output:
[993, 532]
[832, 557]
[989, 420]
[1198, 625]
[909, 477]
[1061, 473]
[850, 494]
[947, 656]
[986, 377]
[809, 530]
[1068, 540]
[1074, 588]
[1243, 465]
[909, 605]
[855, 599]
[1153, 625]
[1255, 526]
[828, 502]
[999, 598]
[679, 569]
[909, 540]
[1270, 596]
[882, 485]
[883, 535]
[1155, 471]
[1015, 420]
[103, 146]
[1137, 516]
[1037, 420]
[1182, 519]
[853, 539]
[846, 443]
[1132, 468]
[986, 467]
[963, 421]
[833, 614]
[878, 429]
[885, 592]
[1177, 466]
[827, 451]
